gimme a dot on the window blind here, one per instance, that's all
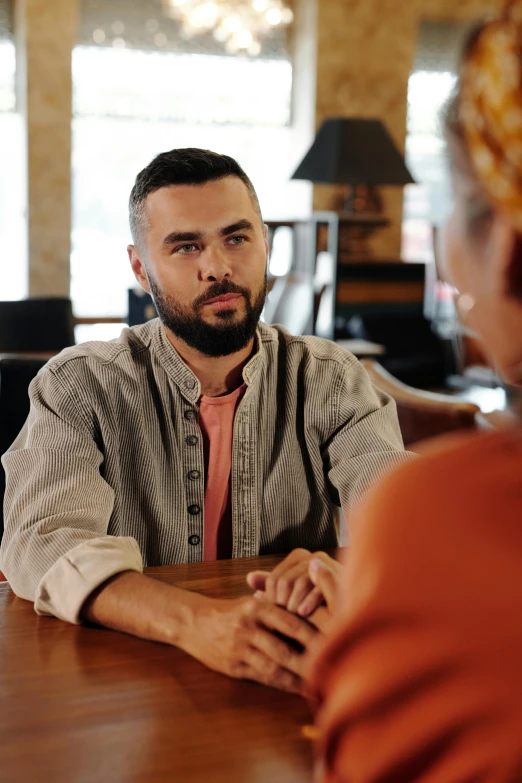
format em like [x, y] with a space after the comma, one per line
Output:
[6, 20]
[440, 46]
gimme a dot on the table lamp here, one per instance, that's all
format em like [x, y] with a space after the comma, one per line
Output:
[359, 154]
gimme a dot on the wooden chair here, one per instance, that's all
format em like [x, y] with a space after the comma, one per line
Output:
[422, 414]
[292, 304]
[497, 420]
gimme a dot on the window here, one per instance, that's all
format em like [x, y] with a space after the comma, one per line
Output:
[431, 83]
[13, 239]
[141, 88]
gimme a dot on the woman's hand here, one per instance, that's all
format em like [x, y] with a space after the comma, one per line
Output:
[291, 584]
[326, 580]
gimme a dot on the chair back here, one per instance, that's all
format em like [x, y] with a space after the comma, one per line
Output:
[16, 373]
[141, 307]
[422, 414]
[295, 305]
[36, 325]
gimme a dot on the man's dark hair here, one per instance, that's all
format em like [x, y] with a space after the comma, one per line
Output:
[188, 166]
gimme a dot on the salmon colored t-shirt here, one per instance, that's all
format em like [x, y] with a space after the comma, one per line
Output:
[216, 417]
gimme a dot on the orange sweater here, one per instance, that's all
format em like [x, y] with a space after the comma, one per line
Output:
[423, 679]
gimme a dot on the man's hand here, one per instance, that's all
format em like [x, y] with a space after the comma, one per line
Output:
[250, 639]
[243, 637]
[290, 585]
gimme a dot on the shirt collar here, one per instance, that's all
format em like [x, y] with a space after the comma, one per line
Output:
[183, 376]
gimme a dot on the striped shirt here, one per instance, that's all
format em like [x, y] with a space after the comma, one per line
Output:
[108, 472]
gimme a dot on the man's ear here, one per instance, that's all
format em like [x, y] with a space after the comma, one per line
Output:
[138, 267]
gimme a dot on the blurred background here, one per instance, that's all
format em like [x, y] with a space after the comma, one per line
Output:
[92, 90]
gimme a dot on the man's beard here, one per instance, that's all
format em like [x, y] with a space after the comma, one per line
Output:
[212, 340]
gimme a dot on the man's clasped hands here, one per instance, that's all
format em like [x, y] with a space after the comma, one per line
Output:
[268, 637]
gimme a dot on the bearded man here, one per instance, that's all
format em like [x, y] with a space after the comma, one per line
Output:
[202, 434]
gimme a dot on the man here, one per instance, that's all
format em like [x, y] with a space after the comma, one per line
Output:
[203, 434]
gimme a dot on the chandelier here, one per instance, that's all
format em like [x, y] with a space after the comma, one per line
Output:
[237, 24]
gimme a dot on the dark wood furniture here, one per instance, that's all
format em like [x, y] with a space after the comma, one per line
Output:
[422, 414]
[39, 324]
[89, 705]
[381, 301]
[380, 287]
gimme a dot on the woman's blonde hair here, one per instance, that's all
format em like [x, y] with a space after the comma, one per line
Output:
[484, 118]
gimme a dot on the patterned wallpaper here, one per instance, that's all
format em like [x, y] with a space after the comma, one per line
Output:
[456, 9]
[366, 52]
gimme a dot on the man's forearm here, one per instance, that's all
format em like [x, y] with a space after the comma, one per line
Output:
[240, 637]
[144, 607]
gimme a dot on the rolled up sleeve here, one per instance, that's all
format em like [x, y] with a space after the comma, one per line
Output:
[55, 549]
[69, 582]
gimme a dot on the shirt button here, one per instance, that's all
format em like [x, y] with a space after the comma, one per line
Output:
[194, 475]
[190, 415]
[190, 383]
[194, 540]
[194, 510]
[192, 440]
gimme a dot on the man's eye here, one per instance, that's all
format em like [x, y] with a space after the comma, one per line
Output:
[237, 240]
[185, 249]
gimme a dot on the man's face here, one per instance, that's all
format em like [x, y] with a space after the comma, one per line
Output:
[204, 262]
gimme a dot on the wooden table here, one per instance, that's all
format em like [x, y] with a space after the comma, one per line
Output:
[88, 705]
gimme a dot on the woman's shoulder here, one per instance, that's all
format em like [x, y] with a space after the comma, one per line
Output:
[461, 458]
[457, 478]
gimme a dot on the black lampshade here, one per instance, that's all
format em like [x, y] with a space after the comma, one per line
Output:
[352, 151]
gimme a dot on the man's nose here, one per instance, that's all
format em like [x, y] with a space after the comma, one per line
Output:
[215, 265]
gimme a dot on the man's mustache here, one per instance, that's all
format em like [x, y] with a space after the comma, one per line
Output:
[220, 289]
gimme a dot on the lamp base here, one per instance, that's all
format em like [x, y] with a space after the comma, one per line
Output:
[361, 199]
[360, 217]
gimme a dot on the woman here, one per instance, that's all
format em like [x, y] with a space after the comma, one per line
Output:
[423, 679]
